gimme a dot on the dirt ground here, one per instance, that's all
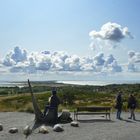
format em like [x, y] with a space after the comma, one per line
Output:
[90, 128]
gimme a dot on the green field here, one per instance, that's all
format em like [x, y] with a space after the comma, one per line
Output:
[19, 99]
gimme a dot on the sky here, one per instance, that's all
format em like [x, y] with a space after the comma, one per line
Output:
[70, 40]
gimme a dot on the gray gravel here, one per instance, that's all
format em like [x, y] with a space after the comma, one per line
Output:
[90, 128]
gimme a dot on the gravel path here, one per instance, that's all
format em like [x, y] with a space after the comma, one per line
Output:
[90, 128]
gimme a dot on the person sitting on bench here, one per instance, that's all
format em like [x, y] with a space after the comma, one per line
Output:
[53, 104]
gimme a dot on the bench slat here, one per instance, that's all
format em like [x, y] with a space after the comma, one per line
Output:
[92, 111]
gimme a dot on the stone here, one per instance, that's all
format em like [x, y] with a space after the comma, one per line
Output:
[13, 130]
[74, 124]
[65, 114]
[43, 129]
[27, 130]
[65, 117]
[1, 127]
[58, 128]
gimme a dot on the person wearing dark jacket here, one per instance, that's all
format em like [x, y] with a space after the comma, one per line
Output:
[53, 104]
[132, 105]
[119, 105]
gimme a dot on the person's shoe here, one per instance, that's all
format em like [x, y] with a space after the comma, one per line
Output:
[129, 118]
[120, 118]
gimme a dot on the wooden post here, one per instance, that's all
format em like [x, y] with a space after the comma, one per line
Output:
[37, 111]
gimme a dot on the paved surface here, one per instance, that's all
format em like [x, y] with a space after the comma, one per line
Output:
[93, 128]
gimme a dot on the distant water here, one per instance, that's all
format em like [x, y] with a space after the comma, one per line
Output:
[85, 82]
[11, 84]
[100, 83]
[76, 82]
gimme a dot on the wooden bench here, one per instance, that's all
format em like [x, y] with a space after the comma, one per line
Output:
[93, 110]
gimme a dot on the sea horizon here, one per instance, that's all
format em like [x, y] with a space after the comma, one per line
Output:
[73, 82]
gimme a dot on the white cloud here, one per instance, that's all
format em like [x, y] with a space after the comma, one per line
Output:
[131, 54]
[99, 59]
[15, 56]
[111, 65]
[19, 55]
[109, 60]
[72, 63]
[112, 32]
[60, 65]
[87, 64]
[8, 61]
[58, 60]
[131, 67]
[134, 61]
[37, 62]
[114, 67]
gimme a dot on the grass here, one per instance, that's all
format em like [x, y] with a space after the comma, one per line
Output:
[22, 102]
[71, 96]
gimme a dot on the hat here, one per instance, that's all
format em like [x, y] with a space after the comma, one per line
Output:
[54, 90]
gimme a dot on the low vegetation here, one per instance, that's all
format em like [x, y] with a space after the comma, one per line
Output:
[19, 99]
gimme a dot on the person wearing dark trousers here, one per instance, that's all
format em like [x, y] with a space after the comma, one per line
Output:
[119, 106]
[132, 106]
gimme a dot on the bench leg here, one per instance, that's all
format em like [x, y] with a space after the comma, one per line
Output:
[106, 116]
[109, 117]
[74, 115]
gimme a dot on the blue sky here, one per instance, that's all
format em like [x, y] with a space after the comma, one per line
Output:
[64, 25]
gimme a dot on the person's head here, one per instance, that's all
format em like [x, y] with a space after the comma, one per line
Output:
[131, 95]
[54, 91]
[119, 93]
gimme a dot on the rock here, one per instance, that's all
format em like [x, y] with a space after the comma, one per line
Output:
[13, 130]
[1, 127]
[65, 117]
[43, 129]
[58, 128]
[27, 130]
[75, 124]
[65, 114]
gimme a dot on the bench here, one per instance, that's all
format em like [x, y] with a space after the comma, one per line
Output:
[92, 110]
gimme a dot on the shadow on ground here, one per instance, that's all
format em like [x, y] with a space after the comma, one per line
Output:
[95, 120]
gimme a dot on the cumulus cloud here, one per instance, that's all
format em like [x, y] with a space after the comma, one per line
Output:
[133, 61]
[99, 59]
[87, 64]
[109, 60]
[72, 63]
[112, 32]
[131, 54]
[58, 60]
[19, 60]
[134, 57]
[15, 56]
[19, 55]
[111, 65]
[131, 67]
[114, 67]
[8, 61]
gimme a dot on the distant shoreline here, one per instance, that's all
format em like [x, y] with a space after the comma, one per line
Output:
[71, 82]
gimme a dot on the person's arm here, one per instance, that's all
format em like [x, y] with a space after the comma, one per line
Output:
[58, 101]
[49, 100]
[136, 103]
